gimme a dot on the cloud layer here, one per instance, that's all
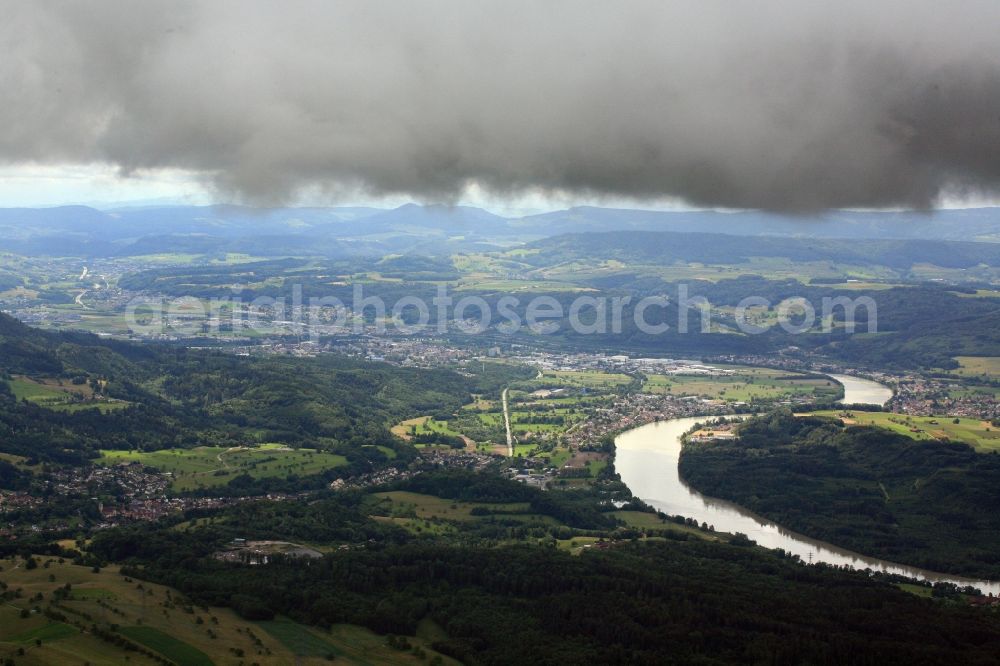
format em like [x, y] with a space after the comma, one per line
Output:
[777, 105]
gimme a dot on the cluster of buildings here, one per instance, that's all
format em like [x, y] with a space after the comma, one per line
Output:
[261, 552]
[17, 500]
[621, 363]
[123, 493]
[626, 412]
[377, 478]
[158, 507]
[535, 478]
[418, 352]
[470, 460]
[403, 351]
[127, 481]
[713, 432]
[926, 396]
[429, 459]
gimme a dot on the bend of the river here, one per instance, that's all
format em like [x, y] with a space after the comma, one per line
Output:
[647, 458]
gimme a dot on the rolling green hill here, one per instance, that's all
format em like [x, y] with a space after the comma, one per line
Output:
[663, 248]
[168, 398]
[927, 503]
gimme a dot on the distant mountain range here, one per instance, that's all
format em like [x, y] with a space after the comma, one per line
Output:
[434, 229]
[664, 247]
[972, 224]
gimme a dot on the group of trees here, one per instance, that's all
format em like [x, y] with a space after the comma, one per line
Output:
[924, 503]
[179, 398]
[636, 602]
[438, 438]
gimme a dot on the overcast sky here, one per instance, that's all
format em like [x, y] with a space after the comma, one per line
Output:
[792, 106]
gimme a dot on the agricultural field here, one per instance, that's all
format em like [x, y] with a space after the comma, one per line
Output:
[771, 268]
[654, 526]
[429, 515]
[351, 644]
[480, 404]
[161, 620]
[524, 449]
[978, 366]
[422, 425]
[525, 418]
[208, 466]
[966, 389]
[511, 286]
[18, 292]
[578, 544]
[574, 466]
[863, 285]
[588, 379]
[746, 384]
[982, 273]
[400, 503]
[924, 591]
[16, 460]
[60, 394]
[650, 521]
[187, 259]
[979, 293]
[557, 457]
[96, 321]
[176, 650]
[540, 409]
[975, 432]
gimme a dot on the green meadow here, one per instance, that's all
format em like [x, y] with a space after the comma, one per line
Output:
[59, 395]
[975, 432]
[747, 385]
[978, 366]
[589, 379]
[208, 466]
[176, 650]
[162, 620]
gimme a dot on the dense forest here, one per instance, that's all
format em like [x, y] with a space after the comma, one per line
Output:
[925, 503]
[183, 398]
[502, 600]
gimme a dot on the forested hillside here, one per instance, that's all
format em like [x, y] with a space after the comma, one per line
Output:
[716, 248]
[925, 503]
[678, 599]
[160, 397]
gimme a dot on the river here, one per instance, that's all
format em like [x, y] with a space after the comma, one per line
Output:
[859, 391]
[647, 458]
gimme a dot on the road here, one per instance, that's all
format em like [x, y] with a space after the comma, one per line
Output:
[506, 422]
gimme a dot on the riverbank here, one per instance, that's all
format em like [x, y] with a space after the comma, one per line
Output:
[869, 490]
[647, 458]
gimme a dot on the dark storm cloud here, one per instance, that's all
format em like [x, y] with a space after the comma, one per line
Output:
[786, 106]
